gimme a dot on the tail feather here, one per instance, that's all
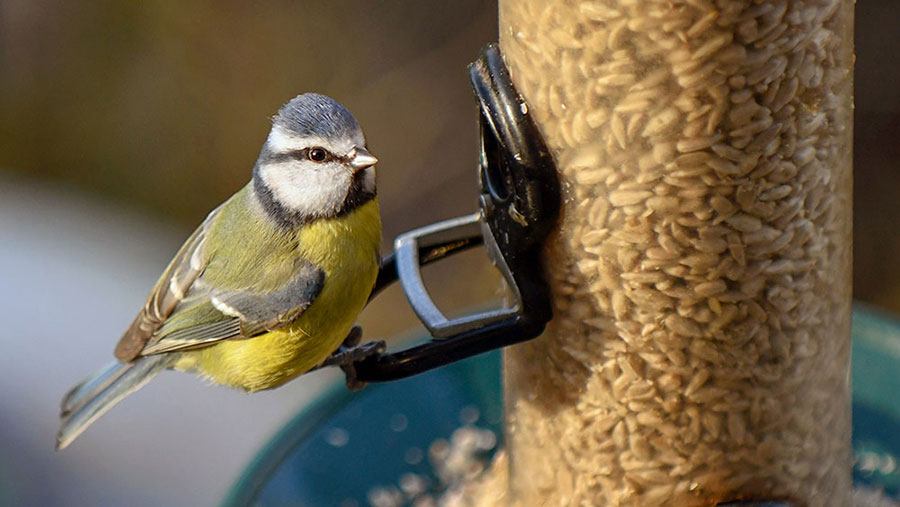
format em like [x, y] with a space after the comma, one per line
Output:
[95, 383]
[90, 399]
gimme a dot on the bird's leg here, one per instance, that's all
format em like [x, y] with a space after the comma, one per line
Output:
[349, 353]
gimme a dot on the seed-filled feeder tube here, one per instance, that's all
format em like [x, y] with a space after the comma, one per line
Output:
[700, 345]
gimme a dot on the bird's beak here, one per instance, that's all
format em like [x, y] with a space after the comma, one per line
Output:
[360, 158]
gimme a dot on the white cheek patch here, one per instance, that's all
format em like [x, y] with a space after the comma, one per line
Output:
[307, 191]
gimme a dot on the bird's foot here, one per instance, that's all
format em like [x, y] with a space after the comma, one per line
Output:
[350, 352]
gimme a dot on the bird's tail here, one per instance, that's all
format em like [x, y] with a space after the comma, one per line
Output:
[90, 399]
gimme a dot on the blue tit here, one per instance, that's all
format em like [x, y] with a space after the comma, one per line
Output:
[271, 282]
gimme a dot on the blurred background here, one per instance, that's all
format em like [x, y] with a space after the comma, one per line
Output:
[123, 123]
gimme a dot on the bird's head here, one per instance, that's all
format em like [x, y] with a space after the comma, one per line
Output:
[314, 163]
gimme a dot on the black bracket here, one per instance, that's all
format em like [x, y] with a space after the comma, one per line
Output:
[519, 205]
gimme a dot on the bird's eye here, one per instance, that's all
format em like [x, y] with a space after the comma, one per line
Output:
[318, 154]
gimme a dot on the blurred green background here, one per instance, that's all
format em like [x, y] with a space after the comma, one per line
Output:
[164, 105]
[123, 123]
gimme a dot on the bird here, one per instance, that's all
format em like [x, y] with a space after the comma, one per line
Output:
[269, 286]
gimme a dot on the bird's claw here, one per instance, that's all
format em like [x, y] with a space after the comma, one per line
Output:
[350, 352]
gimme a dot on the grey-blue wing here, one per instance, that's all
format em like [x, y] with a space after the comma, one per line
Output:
[259, 312]
[208, 314]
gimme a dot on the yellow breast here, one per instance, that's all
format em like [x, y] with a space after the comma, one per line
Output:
[346, 249]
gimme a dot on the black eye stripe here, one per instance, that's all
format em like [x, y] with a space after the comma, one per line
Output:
[302, 155]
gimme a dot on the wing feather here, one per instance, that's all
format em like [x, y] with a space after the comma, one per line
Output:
[188, 309]
[176, 280]
[197, 336]
[236, 313]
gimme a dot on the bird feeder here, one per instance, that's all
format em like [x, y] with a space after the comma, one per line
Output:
[701, 277]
